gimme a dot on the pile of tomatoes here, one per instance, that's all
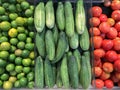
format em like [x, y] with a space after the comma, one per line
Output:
[106, 40]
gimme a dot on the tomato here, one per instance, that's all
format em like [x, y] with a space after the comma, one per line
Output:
[118, 56]
[105, 76]
[96, 11]
[117, 74]
[117, 65]
[103, 35]
[116, 15]
[104, 27]
[116, 44]
[99, 53]
[111, 56]
[97, 71]
[109, 83]
[117, 26]
[113, 78]
[108, 67]
[96, 43]
[94, 21]
[97, 62]
[107, 44]
[119, 34]
[111, 21]
[107, 3]
[115, 5]
[103, 18]
[95, 31]
[98, 83]
[112, 33]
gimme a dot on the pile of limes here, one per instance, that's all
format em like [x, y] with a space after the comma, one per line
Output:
[16, 44]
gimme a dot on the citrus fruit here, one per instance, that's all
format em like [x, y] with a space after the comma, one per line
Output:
[21, 29]
[5, 33]
[20, 75]
[3, 63]
[30, 76]
[32, 55]
[14, 24]
[18, 61]
[10, 67]
[12, 79]
[21, 45]
[30, 21]
[25, 5]
[28, 12]
[19, 69]
[26, 69]
[2, 10]
[20, 21]
[28, 40]
[4, 54]
[13, 16]
[13, 73]
[1, 83]
[12, 57]
[26, 62]
[22, 36]
[13, 32]
[7, 85]
[4, 77]
[32, 7]
[3, 39]
[25, 53]
[23, 81]
[30, 84]
[5, 25]
[2, 70]
[12, 49]
[17, 84]
[14, 41]
[5, 46]
[5, 5]
[29, 46]
[12, 8]
[4, 18]
[18, 52]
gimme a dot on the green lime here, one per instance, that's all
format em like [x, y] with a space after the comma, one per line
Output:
[26, 70]
[21, 29]
[5, 33]
[7, 85]
[32, 7]
[25, 5]
[1, 83]
[22, 37]
[14, 24]
[32, 55]
[33, 63]
[30, 85]
[2, 10]
[26, 62]
[23, 81]
[25, 53]
[20, 1]
[28, 40]
[5, 46]
[5, 25]
[4, 77]
[3, 39]
[28, 12]
[2, 70]
[12, 79]
[19, 69]
[18, 7]
[12, 49]
[4, 18]
[20, 75]
[13, 73]
[30, 76]
[25, 19]
[14, 41]
[29, 46]
[30, 21]
[17, 84]
[12, 1]
[4, 54]
[26, 32]
[21, 45]
[13, 16]
[12, 8]
[18, 61]
[18, 52]
[13, 32]
[3, 63]
[12, 57]
[10, 67]
[20, 21]
[5, 5]
[31, 34]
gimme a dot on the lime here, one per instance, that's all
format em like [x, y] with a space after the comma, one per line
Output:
[32, 7]
[13, 16]
[14, 41]
[21, 29]
[30, 76]
[4, 77]
[18, 52]
[20, 75]
[26, 32]
[17, 84]
[19, 9]
[28, 12]
[13, 32]
[2, 10]
[21, 45]
[5, 33]
[31, 34]
[26, 62]
[25, 5]
[5, 25]
[29, 46]
[20, 21]
[12, 49]
[26, 70]
[29, 40]
[5, 5]
[30, 21]
[30, 85]
[12, 8]
[22, 37]
[4, 54]
[13, 73]
[18, 61]
[3, 39]
[2, 70]
[25, 53]
[5, 46]
[10, 67]
[4, 18]
[19, 1]
[12, 1]
[3, 63]
[7, 85]
[14, 24]
[25, 19]
[12, 57]
[12, 79]
[19, 69]
[32, 55]
[23, 81]
[1, 83]
[33, 63]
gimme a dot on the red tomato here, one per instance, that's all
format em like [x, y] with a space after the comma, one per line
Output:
[104, 27]
[116, 44]
[96, 11]
[105, 76]
[95, 31]
[107, 44]
[117, 65]
[98, 83]
[116, 15]
[97, 41]
[108, 67]
[118, 56]
[111, 56]
[94, 21]
[112, 33]
[115, 5]
[99, 53]
[109, 83]
[107, 3]
[97, 71]
[119, 84]
[117, 26]
[119, 34]
[113, 78]
[117, 75]
[103, 35]
[103, 18]
[111, 21]
[97, 62]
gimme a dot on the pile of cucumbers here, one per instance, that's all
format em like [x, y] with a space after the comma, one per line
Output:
[62, 43]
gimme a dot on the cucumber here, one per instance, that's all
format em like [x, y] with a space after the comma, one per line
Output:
[54, 72]
[64, 72]
[73, 71]
[80, 18]
[49, 79]
[67, 49]
[85, 40]
[50, 45]
[60, 17]
[39, 73]
[69, 19]
[39, 17]
[50, 18]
